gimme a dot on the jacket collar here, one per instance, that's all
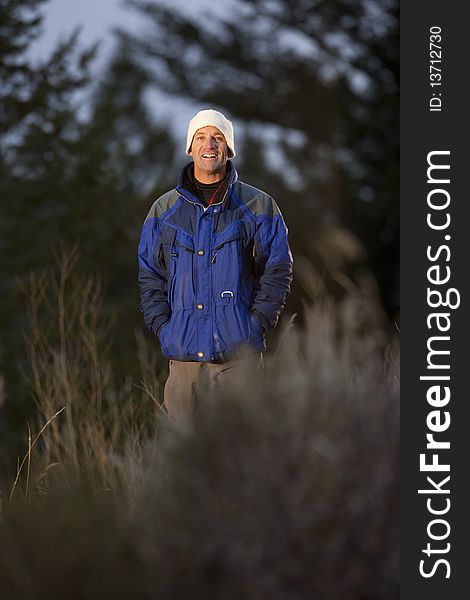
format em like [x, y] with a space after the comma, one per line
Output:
[232, 178]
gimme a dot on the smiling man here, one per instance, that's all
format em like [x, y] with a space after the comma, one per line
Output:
[209, 152]
[214, 266]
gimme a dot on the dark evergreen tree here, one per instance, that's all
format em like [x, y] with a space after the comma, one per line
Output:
[78, 162]
[39, 128]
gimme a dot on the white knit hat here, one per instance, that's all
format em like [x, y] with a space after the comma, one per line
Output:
[216, 119]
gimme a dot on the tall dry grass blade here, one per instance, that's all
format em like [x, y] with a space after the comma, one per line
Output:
[287, 328]
[147, 389]
[28, 472]
[30, 448]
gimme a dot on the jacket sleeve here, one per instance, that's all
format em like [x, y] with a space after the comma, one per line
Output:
[273, 268]
[153, 280]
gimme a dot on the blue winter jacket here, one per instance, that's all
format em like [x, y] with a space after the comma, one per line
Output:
[213, 279]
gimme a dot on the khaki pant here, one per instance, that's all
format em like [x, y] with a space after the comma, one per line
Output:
[187, 378]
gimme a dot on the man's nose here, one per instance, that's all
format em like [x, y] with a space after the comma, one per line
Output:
[210, 143]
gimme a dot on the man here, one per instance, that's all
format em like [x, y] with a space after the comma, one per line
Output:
[214, 265]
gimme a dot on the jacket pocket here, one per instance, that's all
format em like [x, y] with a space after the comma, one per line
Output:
[178, 249]
[178, 337]
[167, 238]
[227, 266]
[172, 277]
[257, 335]
[235, 327]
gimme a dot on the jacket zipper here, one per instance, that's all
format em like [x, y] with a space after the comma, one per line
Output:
[211, 295]
[211, 263]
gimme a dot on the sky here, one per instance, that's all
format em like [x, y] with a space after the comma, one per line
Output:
[96, 19]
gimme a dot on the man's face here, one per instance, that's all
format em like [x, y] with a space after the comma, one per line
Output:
[209, 152]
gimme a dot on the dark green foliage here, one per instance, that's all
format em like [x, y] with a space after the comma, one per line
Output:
[78, 162]
[39, 132]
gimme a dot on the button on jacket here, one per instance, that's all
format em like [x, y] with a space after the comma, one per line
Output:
[213, 279]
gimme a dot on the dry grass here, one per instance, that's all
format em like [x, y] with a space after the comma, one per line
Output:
[106, 420]
[285, 487]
